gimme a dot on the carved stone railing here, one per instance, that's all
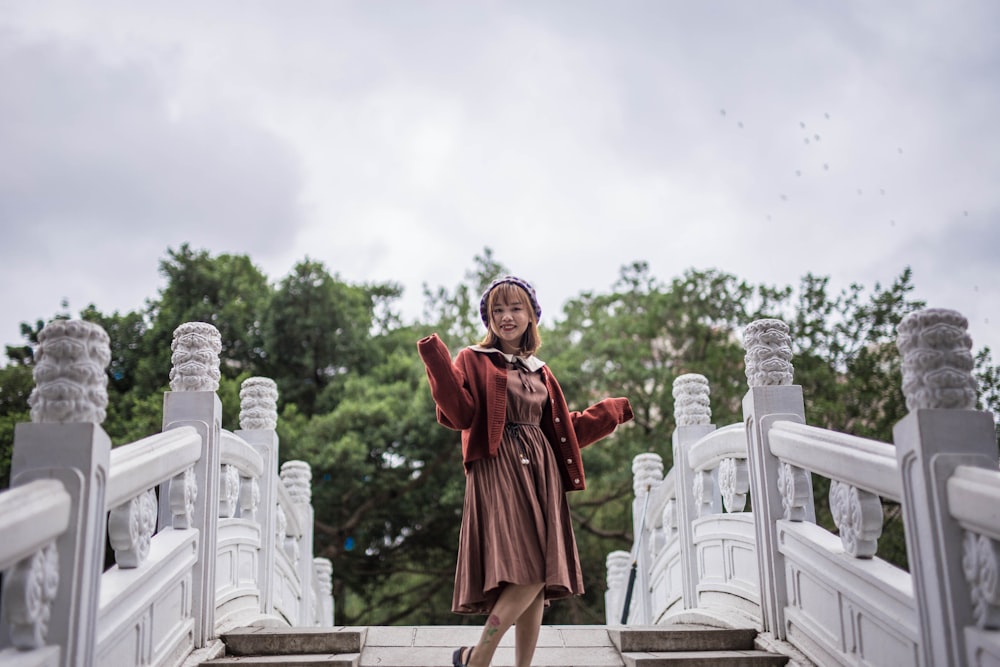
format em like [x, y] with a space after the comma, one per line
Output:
[936, 443]
[194, 516]
[820, 596]
[32, 518]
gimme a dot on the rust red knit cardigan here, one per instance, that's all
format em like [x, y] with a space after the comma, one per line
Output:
[471, 397]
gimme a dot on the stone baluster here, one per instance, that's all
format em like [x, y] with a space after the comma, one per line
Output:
[297, 477]
[65, 441]
[779, 492]
[941, 431]
[323, 575]
[693, 416]
[618, 564]
[192, 401]
[258, 421]
[647, 474]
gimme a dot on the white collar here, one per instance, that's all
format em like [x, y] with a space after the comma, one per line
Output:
[531, 362]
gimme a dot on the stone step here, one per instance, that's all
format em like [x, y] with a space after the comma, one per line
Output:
[303, 660]
[646, 639]
[436, 656]
[431, 646]
[280, 641]
[705, 659]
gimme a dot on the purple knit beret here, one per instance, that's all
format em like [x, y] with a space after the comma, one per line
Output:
[523, 284]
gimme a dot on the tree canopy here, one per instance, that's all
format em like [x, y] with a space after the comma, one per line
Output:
[387, 479]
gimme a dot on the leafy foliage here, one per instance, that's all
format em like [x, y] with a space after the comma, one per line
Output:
[388, 485]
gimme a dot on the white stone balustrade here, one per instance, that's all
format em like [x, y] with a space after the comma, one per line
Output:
[827, 597]
[618, 564]
[297, 477]
[258, 420]
[949, 551]
[188, 566]
[66, 444]
[32, 517]
[821, 597]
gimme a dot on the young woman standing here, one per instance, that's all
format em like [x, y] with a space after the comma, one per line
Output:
[521, 450]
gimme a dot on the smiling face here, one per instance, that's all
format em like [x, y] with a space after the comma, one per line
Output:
[511, 315]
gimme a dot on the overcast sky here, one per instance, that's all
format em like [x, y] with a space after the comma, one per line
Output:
[395, 140]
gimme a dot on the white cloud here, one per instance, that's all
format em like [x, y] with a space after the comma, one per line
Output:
[395, 142]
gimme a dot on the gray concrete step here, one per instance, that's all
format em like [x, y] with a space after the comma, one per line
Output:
[281, 641]
[705, 659]
[642, 639]
[304, 660]
[432, 646]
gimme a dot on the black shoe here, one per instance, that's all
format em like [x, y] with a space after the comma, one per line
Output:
[456, 657]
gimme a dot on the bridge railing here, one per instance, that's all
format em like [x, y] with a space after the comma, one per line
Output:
[827, 596]
[206, 534]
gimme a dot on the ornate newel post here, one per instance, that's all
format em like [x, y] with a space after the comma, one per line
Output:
[617, 563]
[778, 491]
[297, 477]
[693, 416]
[323, 574]
[647, 474]
[942, 431]
[258, 420]
[192, 401]
[65, 441]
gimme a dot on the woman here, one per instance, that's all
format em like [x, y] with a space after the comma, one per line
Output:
[521, 451]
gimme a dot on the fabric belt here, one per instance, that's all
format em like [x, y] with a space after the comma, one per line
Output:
[514, 429]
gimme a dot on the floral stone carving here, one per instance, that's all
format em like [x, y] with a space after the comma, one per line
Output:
[28, 592]
[183, 494]
[858, 515]
[70, 380]
[793, 485]
[691, 403]
[734, 483]
[979, 563]
[130, 529]
[647, 471]
[258, 404]
[937, 361]
[768, 353]
[296, 476]
[195, 358]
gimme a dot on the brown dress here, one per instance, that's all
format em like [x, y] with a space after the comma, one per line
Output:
[516, 525]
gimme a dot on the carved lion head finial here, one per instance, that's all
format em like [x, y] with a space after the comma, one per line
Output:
[768, 353]
[71, 384]
[937, 363]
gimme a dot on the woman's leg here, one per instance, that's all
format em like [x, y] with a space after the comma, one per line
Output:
[514, 599]
[526, 629]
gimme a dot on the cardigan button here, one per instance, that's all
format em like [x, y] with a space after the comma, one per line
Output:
[557, 420]
[569, 461]
[562, 439]
[577, 481]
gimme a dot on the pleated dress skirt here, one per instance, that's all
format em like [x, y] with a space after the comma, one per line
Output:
[516, 526]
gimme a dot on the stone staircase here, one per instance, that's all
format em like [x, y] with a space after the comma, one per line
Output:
[431, 646]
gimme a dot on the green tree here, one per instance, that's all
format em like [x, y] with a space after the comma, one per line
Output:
[16, 383]
[227, 291]
[387, 488]
[634, 342]
[318, 328]
[388, 482]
